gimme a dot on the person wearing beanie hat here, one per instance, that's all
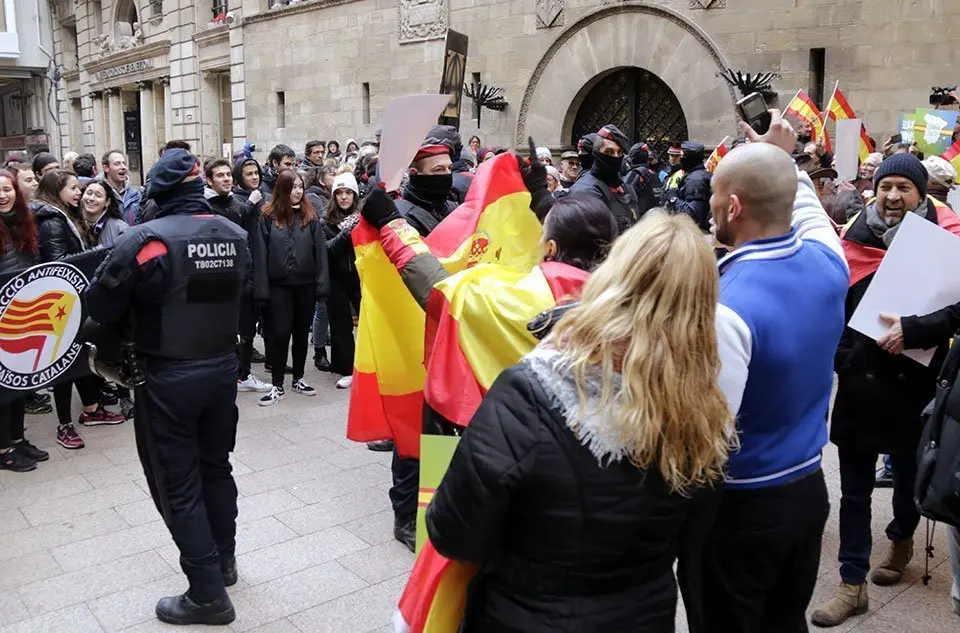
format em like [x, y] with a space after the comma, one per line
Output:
[585, 151]
[688, 190]
[44, 162]
[604, 180]
[485, 154]
[177, 281]
[553, 180]
[340, 216]
[942, 177]
[428, 196]
[544, 156]
[881, 393]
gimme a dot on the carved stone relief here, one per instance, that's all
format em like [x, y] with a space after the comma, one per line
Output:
[549, 13]
[708, 4]
[421, 20]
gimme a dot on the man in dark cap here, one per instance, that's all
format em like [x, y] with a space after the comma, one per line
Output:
[603, 181]
[585, 152]
[44, 162]
[426, 196]
[569, 169]
[692, 195]
[175, 285]
[644, 181]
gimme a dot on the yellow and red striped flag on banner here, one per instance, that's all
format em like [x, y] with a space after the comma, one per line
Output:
[804, 108]
[952, 156]
[717, 155]
[493, 225]
[839, 108]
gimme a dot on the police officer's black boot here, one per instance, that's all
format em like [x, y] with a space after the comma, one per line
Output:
[405, 531]
[228, 565]
[184, 610]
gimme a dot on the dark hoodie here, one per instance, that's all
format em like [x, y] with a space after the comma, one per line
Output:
[239, 189]
[645, 183]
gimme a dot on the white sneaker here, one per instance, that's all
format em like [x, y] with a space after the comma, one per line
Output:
[252, 383]
[303, 388]
[275, 395]
[345, 383]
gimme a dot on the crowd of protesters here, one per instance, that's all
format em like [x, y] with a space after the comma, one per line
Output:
[741, 515]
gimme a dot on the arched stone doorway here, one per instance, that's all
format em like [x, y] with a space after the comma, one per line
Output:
[634, 35]
[636, 101]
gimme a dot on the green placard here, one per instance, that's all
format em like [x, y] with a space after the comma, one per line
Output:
[934, 129]
[436, 451]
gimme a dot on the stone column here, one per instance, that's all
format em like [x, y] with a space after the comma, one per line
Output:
[148, 125]
[167, 110]
[99, 132]
[115, 116]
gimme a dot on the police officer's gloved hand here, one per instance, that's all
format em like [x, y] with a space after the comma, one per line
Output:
[378, 209]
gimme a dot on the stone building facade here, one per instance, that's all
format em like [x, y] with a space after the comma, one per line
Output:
[271, 71]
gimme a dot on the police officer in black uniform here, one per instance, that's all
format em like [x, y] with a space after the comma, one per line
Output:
[604, 180]
[693, 192]
[176, 283]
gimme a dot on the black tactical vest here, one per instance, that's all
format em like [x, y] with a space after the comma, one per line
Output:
[207, 260]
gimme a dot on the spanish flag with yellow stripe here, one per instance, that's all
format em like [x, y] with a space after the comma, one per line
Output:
[493, 226]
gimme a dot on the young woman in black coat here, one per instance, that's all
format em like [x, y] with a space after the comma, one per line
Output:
[342, 214]
[60, 232]
[290, 274]
[588, 467]
[18, 250]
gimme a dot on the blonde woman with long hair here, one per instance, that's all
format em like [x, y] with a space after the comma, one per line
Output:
[589, 465]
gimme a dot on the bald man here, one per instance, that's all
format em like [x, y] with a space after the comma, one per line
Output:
[781, 314]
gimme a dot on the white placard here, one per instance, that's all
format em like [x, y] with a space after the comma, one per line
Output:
[846, 147]
[916, 277]
[405, 125]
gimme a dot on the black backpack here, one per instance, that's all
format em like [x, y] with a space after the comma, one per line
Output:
[937, 492]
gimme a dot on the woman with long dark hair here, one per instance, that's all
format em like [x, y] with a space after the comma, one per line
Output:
[342, 214]
[18, 250]
[290, 274]
[100, 217]
[61, 234]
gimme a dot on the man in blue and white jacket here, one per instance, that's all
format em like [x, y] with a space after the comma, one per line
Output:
[781, 314]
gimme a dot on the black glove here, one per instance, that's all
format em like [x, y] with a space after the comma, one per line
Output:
[378, 209]
[535, 178]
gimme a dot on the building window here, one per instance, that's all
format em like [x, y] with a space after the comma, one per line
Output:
[281, 109]
[366, 103]
[70, 59]
[127, 12]
[818, 58]
[9, 41]
[219, 10]
[3, 17]
[95, 17]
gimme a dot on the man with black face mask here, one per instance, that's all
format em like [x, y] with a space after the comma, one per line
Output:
[693, 194]
[603, 181]
[426, 196]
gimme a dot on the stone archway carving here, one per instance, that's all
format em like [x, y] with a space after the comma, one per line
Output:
[639, 35]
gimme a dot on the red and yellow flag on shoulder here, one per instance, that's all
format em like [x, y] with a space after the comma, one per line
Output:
[839, 108]
[493, 225]
[803, 107]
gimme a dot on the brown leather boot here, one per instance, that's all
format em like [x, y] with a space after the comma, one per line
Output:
[890, 570]
[849, 600]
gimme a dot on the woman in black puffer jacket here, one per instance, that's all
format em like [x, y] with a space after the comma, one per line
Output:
[588, 468]
[60, 235]
[18, 250]
[290, 274]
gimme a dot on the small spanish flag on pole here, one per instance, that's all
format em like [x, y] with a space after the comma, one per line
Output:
[839, 108]
[717, 155]
[802, 107]
[952, 156]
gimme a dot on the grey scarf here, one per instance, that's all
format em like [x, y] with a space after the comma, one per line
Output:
[887, 233]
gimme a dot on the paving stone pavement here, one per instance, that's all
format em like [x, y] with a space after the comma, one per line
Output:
[83, 550]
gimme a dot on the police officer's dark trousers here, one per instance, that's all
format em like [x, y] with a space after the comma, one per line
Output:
[190, 406]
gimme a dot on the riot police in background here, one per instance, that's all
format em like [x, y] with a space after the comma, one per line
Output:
[692, 195]
[176, 283]
[644, 181]
[603, 181]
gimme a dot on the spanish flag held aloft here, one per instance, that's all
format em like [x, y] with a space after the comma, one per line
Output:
[493, 226]
[839, 108]
[804, 108]
[717, 155]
